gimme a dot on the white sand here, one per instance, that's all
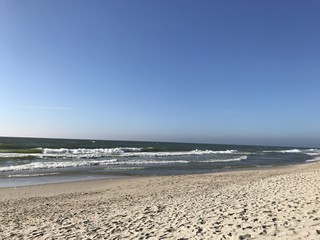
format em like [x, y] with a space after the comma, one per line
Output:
[277, 203]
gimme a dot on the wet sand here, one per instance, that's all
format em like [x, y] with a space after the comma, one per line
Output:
[275, 203]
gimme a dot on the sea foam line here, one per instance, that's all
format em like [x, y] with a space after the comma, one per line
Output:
[314, 160]
[118, 150]
[107, 152]
[32, 175]
[47, 165]
[284, 151]
[105, 162]
[309, 152]
[82, 163]
[225, 160]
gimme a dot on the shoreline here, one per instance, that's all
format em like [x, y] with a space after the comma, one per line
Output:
[19, 182]
[279, 202]
[83, 185]
[73, 178]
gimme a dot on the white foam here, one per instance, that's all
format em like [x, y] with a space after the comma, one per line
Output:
[312, 152]
[17, 155]
[126, 152]
[64, 157]
[314, 160]
[32, 175]
[225, 160]
[51, 164]
[109, 152]
[285, 151]
[213, 152]
[139, 162]
[96, 151]
[168, 154]
[81, 163]
[291, 151]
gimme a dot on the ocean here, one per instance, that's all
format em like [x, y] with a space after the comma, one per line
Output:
[31, 161]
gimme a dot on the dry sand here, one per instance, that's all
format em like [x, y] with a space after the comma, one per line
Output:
[277, 203]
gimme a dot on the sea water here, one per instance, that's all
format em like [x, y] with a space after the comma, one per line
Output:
[28, 161]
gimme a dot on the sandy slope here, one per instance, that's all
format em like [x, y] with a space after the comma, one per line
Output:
[278, 203]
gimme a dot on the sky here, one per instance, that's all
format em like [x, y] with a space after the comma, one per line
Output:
[235, 72]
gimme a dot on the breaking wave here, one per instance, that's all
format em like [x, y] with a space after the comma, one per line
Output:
[107, 162]
[284, 151]
[108, 152]
[225, 160]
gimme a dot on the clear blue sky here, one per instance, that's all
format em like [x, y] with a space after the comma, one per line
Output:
[245, 72]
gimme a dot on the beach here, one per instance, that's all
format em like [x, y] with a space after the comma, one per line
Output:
[267, 203]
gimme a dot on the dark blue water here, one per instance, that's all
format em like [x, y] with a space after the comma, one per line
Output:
[36, 160]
